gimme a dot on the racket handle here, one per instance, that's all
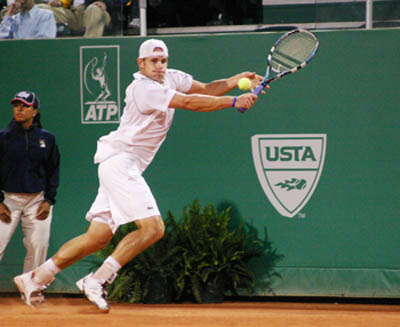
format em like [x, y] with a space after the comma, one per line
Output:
[257, 92]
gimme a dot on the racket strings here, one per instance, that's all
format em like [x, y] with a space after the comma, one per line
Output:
[293, 51]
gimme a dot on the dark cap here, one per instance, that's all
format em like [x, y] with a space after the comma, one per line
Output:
[27, 98]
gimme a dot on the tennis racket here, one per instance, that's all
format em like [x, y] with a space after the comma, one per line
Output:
[291, 52]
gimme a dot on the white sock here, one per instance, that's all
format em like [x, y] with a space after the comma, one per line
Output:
[45, 273]
[108, 270]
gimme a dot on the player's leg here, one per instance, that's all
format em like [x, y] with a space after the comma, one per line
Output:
[130, 199]
[150, 230]
[96, 238]
[98, 235]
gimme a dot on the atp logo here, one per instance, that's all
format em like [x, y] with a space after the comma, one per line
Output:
[288, 167]
[100, 89]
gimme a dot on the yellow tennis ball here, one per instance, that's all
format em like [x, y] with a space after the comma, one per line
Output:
[244, 84]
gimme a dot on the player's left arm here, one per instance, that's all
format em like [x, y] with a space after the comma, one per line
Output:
[223, 86]
[207, 103]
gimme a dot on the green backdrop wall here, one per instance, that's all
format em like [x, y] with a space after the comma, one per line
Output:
[343, 238]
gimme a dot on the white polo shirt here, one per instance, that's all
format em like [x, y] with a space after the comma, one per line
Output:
[146, 118]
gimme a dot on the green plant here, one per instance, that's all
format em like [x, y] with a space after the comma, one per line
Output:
[148, 277]
[202, 256]
[215, 255]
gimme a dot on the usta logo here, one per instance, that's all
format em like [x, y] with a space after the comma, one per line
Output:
[287, 153]
[288, 167]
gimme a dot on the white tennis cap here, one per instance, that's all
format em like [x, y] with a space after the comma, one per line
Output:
[147, 48]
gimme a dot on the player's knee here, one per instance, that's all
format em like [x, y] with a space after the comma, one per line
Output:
[100, 243]
[97, 236]
[159, 231]
[156, 229]
[96, 243]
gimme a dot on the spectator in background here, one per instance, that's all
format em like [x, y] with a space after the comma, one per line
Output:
[79, 15]
[30, 23]
[29, 174]
[134, 14]
[96, 17]
[234, 12]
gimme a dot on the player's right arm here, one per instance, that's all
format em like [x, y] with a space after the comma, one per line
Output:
[206, 103]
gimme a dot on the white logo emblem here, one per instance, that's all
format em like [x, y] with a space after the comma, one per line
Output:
[24, 94]
[100, 100]
[288, 167]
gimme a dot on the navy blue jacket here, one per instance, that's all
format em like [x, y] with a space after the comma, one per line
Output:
[29, 161]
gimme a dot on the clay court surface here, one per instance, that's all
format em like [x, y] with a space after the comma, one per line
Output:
[58, 311]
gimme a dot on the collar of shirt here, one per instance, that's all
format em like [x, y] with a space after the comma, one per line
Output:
[139, 75]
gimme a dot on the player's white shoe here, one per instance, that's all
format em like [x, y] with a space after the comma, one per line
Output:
[36, 298]
[27, 286]
[94, 290]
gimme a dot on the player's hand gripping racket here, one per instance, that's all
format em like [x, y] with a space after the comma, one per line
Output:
[291, 52]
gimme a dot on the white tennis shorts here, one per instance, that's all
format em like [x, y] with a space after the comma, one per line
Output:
[123, 194]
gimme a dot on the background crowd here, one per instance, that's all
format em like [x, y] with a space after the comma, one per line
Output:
[25, 19]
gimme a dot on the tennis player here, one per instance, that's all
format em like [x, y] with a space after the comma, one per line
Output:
[123, 155]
